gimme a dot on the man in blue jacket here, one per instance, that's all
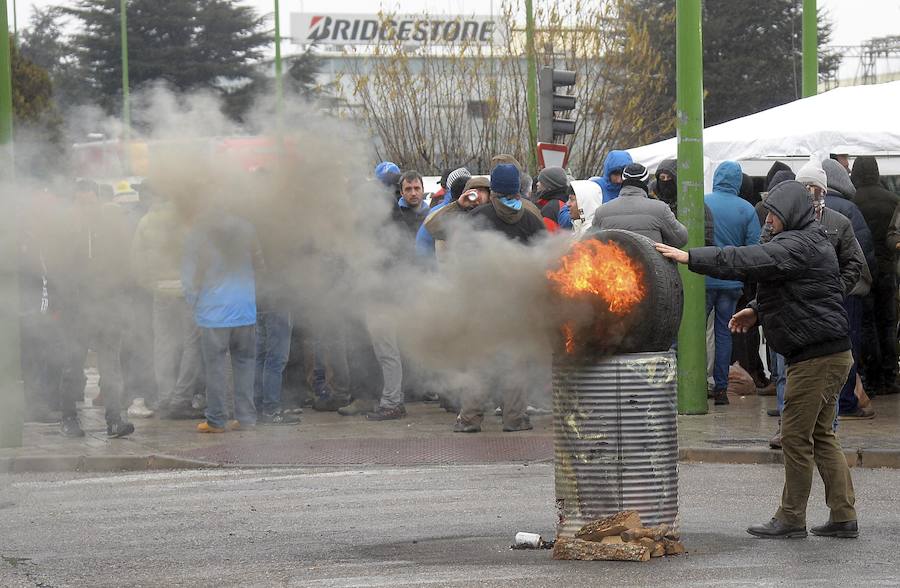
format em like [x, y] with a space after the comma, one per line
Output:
[222, 258]
[736, 225]
[611, 180]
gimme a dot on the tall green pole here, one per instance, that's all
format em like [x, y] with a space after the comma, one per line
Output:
[12, 403]
[531, 90]
[689, 106]
[126, 91]
[279, 80]
[810, 49]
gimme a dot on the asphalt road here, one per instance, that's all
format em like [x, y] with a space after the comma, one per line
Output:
[435, 526]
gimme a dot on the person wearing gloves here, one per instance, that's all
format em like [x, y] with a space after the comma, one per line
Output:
[799, 304]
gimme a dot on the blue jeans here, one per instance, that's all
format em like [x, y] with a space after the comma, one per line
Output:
[723, 303]
[273, 346]
[214, 343]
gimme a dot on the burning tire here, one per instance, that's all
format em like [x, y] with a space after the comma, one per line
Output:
[619, 295]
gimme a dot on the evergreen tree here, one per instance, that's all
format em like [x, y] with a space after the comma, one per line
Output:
[752, 53]
[189, 44]
[44, 44]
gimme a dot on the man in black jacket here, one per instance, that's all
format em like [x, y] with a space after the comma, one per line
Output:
[799, 303]
[877, 205]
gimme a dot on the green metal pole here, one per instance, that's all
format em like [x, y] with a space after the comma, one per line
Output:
[689, 106]
[279, 81]
[531, 90]
[126, 91]
[12, 403]
[810, 49]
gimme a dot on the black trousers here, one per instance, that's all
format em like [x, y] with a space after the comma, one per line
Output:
[880, 332]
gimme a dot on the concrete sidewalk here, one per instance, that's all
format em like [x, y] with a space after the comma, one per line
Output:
[737, 433]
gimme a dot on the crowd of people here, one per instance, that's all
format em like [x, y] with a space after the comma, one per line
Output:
[189, 320]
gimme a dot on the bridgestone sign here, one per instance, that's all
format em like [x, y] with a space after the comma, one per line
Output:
[374, 29]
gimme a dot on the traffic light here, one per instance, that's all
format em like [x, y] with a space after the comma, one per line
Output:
[549, 102]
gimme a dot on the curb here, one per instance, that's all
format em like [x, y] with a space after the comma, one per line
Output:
[860, 458]
[98, 463]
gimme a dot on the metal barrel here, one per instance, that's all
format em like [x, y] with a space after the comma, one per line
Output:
[616, 439]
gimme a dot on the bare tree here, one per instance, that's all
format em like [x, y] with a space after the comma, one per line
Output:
[439, 107]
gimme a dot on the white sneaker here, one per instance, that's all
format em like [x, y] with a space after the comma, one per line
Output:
[139, 410]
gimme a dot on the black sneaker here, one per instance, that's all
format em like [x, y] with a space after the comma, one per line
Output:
[721, 397]
[387, 414]
[277, 418]
[119, 429]
[70, 427]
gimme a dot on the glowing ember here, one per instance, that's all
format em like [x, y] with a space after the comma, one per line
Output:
[569, 332]
[602, 269]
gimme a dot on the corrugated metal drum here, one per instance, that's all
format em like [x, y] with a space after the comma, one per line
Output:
[616, 439]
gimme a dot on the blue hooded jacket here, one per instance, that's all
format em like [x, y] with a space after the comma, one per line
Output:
[736, 222]
[616, 160]
[218, 272]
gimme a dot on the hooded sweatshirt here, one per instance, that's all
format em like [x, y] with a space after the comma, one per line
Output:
[877, 207]
[736, 223]
[840, 197]
[221, 259]
[668, 193]
[799, 299]
[615, 162]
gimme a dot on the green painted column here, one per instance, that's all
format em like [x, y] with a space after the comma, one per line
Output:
[126, 88]
[12, 403]
[810, 49]
[689, 107]
[531, 90]
[279, 80]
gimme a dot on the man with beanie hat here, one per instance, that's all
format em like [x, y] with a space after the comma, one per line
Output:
[388, 173]
[505, 212]
[634, 211]
[736, 226]
[798, 303]
[553, 192]
[456, 180]
[877, 207]
[855, 278]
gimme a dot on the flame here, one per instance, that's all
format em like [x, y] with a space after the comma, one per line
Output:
[569, 332]
[602, 269]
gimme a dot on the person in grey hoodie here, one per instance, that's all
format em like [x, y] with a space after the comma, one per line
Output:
[634, 211]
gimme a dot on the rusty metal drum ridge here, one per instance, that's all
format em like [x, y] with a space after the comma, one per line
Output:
[616, 439]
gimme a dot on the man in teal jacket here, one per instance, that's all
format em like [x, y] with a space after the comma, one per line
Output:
[736, 225]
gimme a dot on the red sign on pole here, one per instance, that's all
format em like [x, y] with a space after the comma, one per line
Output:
[552, 155]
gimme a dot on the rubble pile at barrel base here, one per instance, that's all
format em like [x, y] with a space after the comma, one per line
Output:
[619, 537]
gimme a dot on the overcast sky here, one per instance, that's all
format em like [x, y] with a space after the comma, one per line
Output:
[854, 20]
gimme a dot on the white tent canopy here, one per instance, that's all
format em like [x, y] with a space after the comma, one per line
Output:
[858, 120]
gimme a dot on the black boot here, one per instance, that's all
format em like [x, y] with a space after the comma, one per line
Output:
[775, 529]
[846, 530]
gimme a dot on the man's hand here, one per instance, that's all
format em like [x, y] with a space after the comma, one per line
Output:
[468, 200]
[672, 253]
[743, 321]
